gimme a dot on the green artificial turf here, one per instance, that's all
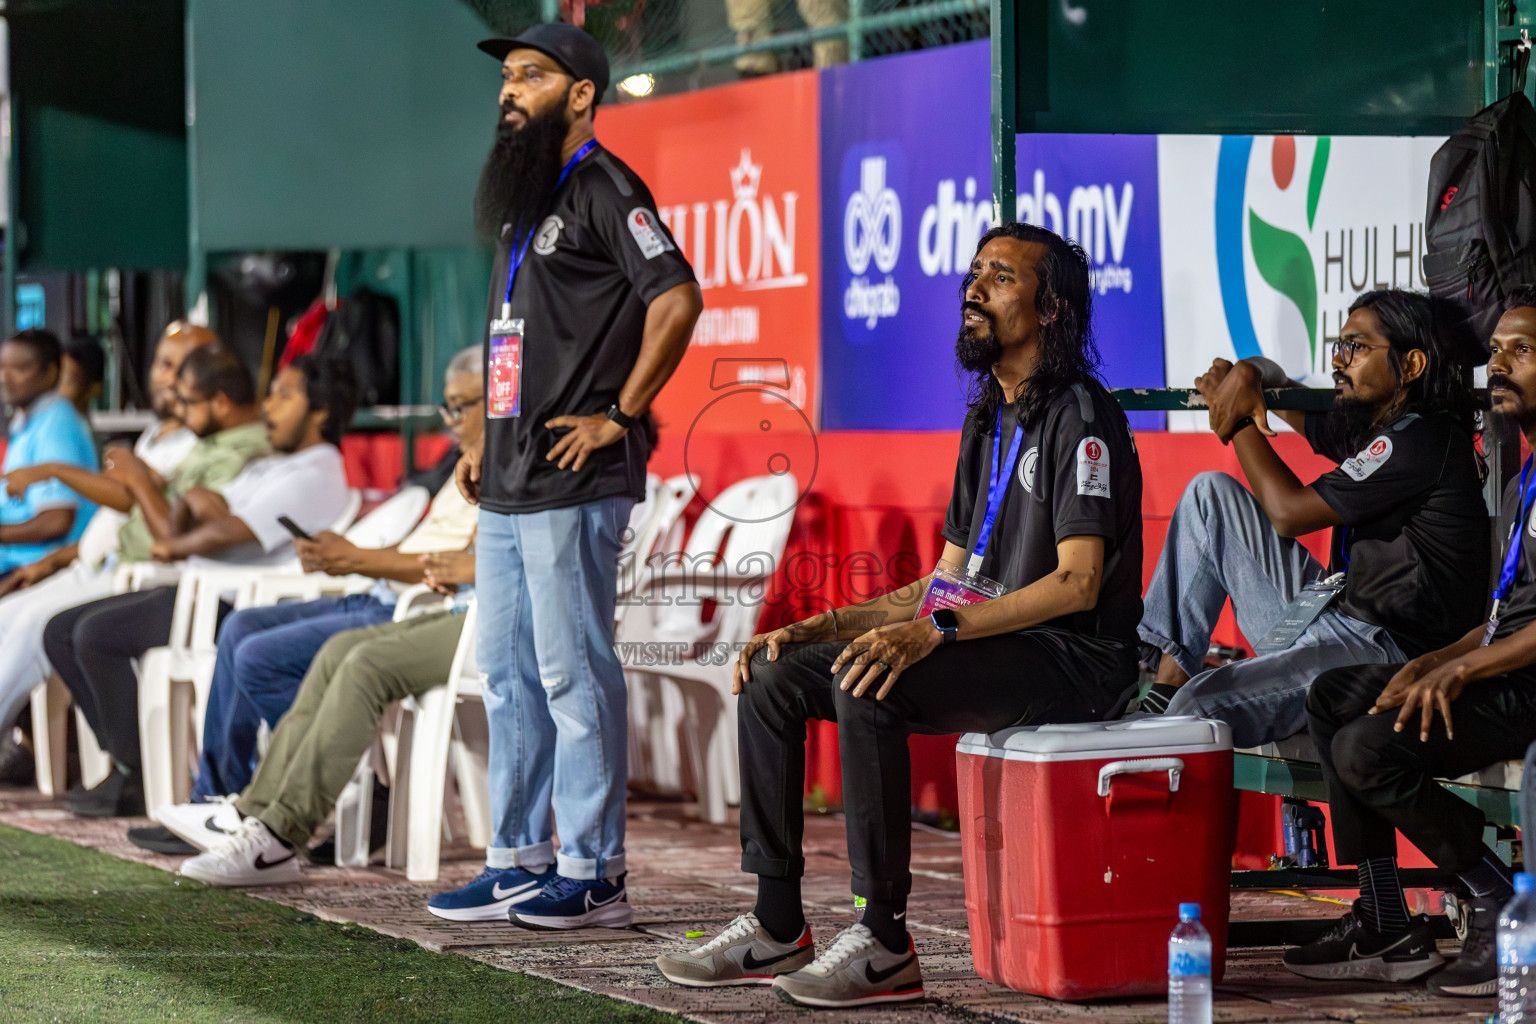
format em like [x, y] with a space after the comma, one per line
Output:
[87, 937]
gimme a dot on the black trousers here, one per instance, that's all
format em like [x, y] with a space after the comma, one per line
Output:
[92, 648]
[1380, 780]
[1030, 678]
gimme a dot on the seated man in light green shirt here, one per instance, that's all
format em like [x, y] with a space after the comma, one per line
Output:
[216, 400]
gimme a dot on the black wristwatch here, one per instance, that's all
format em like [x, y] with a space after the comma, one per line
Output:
[948, 624]
[617, 415]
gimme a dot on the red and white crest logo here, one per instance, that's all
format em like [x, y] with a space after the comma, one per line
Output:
[1093, 450]
[1379, 446]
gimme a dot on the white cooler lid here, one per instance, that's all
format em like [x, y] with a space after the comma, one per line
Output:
[1140, 737]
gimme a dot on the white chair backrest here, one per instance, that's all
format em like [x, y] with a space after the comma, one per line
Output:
[349, 511]
[464, 675]
[391, 522]
[742, 531]
[663, 512]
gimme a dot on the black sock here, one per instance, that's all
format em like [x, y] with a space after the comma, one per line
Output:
[888, 920]
[1489, 879]
[1381, 901]
[778, 907]
[1157, 698]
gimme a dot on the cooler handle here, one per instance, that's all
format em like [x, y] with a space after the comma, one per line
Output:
[1172, 765]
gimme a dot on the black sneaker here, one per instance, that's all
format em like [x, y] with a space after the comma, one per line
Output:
[17, 764]
[1476, 971]
[120, 795]
[159, 839]
[1351, 949]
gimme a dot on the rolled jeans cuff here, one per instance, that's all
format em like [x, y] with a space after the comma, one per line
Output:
[539, 855]
[1191, 664]
[586, 868]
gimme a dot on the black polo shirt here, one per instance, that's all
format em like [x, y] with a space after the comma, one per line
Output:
[1415, 525]
[1077, 473]
[596, 261]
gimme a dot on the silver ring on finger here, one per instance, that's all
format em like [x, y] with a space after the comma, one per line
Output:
[884, 664]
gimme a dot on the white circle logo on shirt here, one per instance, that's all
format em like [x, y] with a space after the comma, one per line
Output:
[548, 235]
[1027, 469]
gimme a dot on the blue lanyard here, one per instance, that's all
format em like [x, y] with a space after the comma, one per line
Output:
[997, 486]
[520, 251]
[1517, 536]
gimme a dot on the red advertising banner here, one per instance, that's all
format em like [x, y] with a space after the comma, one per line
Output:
[735, 174]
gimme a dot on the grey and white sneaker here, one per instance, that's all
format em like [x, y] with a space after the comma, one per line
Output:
[743, 954]
[252, 856]
[204, 825]
[856, 970]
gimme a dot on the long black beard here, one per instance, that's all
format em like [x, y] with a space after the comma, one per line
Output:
[520, 174]
[1352, 418]
[976, 352]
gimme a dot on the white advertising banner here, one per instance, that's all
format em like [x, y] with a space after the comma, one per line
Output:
[1266, 240]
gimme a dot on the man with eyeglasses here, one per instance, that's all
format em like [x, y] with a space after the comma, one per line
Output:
[263, 653]
[1406, 571]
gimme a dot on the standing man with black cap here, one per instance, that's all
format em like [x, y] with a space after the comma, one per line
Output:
[591, 310]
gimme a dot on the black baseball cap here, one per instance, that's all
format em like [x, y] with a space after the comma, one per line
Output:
[572, 48]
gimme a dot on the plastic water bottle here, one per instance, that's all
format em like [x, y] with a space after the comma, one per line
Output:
[1517, 955]
[1189, 969]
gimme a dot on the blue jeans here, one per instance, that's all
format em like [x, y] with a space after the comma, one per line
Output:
[1221, 544]
[554, 690]
[263, 655]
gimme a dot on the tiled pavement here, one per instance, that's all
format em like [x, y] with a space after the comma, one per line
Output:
[685, 878]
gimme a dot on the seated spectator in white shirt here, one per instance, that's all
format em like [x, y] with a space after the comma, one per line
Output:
[265, 652]
[92, 647]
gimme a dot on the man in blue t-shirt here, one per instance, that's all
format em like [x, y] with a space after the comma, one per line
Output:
[44, 427]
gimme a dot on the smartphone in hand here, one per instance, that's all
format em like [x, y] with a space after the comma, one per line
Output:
[293, 528]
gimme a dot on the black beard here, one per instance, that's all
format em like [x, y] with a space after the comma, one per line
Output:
[977, 352]
[1352, 418]
[520, 173]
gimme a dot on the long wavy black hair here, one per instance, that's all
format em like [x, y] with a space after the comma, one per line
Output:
[1064, 304]
[1413, 320]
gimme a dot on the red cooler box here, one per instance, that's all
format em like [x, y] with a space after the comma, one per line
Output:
[1080, 842]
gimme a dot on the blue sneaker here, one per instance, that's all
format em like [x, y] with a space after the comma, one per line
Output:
[488, 897]
[575, 903]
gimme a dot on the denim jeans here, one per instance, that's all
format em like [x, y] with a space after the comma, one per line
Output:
[554, 688]
[263, 655]
[1221, 544]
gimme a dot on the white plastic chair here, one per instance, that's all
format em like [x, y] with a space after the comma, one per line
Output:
[656, 711]
[189, 657]
[354, 808]
[432, 729]
[731, 558]
[50, 736]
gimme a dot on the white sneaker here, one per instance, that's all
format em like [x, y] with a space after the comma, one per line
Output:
[745, 953]
[204, 825]
[856, 970]
[252, 856]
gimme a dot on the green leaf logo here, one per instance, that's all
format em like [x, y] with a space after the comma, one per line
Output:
[1284, 262]
[1315, 180]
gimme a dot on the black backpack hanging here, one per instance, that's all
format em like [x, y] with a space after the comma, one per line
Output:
[1480, 225]
[365, 332]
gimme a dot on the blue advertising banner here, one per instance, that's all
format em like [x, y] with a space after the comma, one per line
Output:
[905, 196]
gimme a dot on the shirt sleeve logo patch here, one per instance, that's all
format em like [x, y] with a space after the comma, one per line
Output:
[1369, 459]
[548, 234]
[1027, 468]
[648, 236]
[1092, 468]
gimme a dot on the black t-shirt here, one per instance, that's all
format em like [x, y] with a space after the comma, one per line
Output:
[596, 261]
[1415, 525]
[1077, 473]
[1518, 610]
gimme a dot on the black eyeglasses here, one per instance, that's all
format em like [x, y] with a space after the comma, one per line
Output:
[1344, 351]
[454, 414]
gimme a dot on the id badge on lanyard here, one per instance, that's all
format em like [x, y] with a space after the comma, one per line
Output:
[1300, 614]
[504, 382]
[1511, 567]
[956, 588]
[504, 366]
